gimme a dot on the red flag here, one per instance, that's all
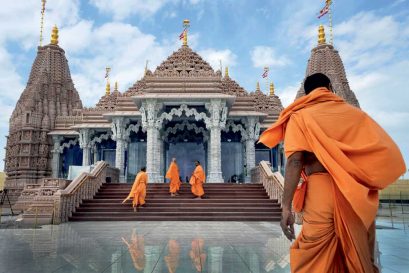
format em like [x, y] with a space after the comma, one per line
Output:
[265, 74]
[182, 35]
[324, 11]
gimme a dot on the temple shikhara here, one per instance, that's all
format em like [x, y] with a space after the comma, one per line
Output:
[183, 109]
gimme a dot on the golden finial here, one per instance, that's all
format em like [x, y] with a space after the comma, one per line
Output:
[108, 89]
[321, 35]
[54, 36]
[116, 86]
[146, 67]
[271, 89]
[42, 21]
[186, 25]
[258, 87]
[226, 72]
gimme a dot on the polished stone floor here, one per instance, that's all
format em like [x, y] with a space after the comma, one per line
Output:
[173, 247]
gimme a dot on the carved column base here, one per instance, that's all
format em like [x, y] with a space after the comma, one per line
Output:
[215, 177]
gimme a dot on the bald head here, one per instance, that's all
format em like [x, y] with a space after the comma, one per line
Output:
[315, 81]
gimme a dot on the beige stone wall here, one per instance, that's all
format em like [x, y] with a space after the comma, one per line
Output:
[396, 190]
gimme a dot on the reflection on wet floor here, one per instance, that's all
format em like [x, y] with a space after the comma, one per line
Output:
[146, 247]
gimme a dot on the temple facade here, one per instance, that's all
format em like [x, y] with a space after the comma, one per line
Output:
[182, 109]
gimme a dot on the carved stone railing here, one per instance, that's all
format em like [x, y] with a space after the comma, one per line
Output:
[82, 187]
[54, 207]
[272, 182]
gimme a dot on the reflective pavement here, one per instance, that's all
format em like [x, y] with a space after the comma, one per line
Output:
[169, 247]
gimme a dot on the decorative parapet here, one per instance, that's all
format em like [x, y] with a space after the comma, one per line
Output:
[33, 192]
[272, 182]
[54, 206]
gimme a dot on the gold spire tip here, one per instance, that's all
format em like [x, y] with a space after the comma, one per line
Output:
[271, 89]
[108, 89]
[54, 35]
[321, 35]
[116, 86]
[186, 25]
[226, 72]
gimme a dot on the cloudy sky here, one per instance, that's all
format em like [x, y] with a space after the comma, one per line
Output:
[372, 37]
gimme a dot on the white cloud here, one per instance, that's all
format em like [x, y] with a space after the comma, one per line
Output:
[121, 9]
[288, 93]
[262, 56]
[213, 57]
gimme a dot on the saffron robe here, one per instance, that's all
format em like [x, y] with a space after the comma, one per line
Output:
[172, 260]
[173, 175]
[136, 249]
[197, 180]
[197, 254]
[138, 191]
[360, 158]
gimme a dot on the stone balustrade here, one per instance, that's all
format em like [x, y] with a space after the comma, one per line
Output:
[57, 206]
[272, 182]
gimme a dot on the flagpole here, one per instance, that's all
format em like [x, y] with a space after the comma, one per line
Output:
[329, 3]
[42, 21]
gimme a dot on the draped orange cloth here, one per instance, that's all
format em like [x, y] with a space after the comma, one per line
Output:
[172, 260]
[197, 254]
[138, 191]
[197, 180]
[360, 158]
[136, 249]
[173, 175]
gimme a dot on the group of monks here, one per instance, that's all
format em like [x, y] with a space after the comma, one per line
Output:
[138, 190]
[344, 158]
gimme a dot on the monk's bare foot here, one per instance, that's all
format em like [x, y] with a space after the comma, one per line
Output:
[172, 195]
[176, 193]
[134, 209]
[198, 197]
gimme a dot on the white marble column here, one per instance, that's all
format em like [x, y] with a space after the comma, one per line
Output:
[118, 127]
[56, 156]
[215, 123]
[85, 135]
[160, 158]
[149, 111]
[252, 134]
[95, 151]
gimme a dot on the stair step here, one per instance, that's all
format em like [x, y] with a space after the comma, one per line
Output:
[222, 202]
[175, 218]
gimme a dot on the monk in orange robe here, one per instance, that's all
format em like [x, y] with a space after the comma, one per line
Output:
[197, 254]
[172, 260]
[347, 158]
[173, 175]
[138, 191]
[136, 249]
[197, 180]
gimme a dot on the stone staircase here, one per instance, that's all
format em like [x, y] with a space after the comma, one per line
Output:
[223, 202]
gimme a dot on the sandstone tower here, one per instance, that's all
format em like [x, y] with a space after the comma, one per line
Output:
[325, 59]
[49, 93]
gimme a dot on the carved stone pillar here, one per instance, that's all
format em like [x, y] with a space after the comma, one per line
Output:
[149, 111]
[56, 156]
[160, 158]
[95, 151]
[216, 122]
[118, 126]
[252, 134]
[85, 135]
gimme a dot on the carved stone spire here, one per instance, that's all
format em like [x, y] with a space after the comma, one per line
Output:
[49, 93]
[325, 59]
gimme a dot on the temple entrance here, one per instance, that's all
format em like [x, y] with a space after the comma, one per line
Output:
[186, 153]
[186, 141]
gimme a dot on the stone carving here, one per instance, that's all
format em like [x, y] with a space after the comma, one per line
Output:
[133, 128]
[325, 59]
[184, 63]
[218, 114]
[181, 127]
[178, 112]
[49, 93]
[60, 148]
[99, 139]
[138, 87]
